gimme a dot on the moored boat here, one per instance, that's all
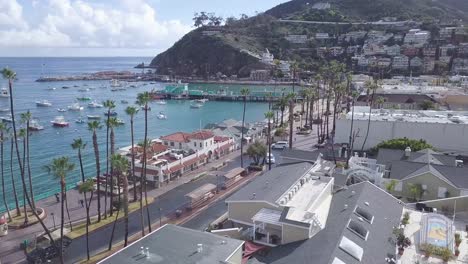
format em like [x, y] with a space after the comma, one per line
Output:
[59, 121]
[35, 126]
[112, 113]
[162, 116]
[75, 107]
[161, 102]
[4, 93]
[7, 118]
[83, 98]
[80, 121]
[196, 105]
[120, 121]
[43, 103]
[124, 101]
[95, 104]
[94, 117]
[61, 110]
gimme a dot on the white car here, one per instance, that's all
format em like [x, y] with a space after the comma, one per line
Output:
[280, 145]
[270, 158]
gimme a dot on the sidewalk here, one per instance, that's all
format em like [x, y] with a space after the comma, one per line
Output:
[9, 250]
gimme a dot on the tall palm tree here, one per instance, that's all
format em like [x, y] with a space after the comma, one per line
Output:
[85, 187]
[11, 76]
[269, 115]
[22, 135]
[79, 145]
[371, 88]
[12, 175]
[109, 104]
[120, 165]
[282, 104]
[132, 111]
[26, 119]
[244, 93]
[143, 100]
[3, 130]
[291, 98]
[60, 167]
[353, 98]
[94, 126]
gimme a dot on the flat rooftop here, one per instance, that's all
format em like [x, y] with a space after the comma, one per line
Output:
[421, 116]
[177, 245]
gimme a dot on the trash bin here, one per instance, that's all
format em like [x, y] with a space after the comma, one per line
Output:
[3, 226]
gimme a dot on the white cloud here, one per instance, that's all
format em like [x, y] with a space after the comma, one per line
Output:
[78, 23]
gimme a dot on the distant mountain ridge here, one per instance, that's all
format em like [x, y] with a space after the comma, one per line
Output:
[211, 50]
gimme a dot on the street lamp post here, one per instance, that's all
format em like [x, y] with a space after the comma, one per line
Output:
[160, 217]
[53, 219]
[217, 183]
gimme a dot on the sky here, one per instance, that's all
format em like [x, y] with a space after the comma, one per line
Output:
[93, 28]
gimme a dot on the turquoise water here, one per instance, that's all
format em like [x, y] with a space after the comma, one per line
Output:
[53, 142]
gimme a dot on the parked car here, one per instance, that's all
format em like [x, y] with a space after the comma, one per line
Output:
[270, 158]
[280, 145]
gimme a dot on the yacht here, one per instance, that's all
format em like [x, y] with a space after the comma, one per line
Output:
[143, 108]
[61, 110]
[93, 117]
[7, 118]
[161, 102]
[75, 107]
[83, 98]
[124, 101]
[35, 126]
[4, 109]
[202, 101]
[4, 93]
[196, 105]
[83, 90]
[162, 116]
[59, 121]
[115, 83]
[120, 121]
[80, 121]
[43, 103]
[95, 104]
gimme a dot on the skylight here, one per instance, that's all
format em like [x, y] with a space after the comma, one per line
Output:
[364, 214]
[337, 261]
[358, 229]
[351, 248]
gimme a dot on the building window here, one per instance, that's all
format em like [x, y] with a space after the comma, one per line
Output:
[201, 145]
[442, 192]
[206, 144]
[172, 144]
[180, 145]
[364, 214]
[358, 229]
[195, 144]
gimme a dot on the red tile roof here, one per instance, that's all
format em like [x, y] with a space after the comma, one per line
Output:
[177, 137]
[176, 168]
[158, 148]
[190, 162]
[202, 135]
[220, 139]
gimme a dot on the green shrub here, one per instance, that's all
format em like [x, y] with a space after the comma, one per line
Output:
[405, 219]
[403, 143]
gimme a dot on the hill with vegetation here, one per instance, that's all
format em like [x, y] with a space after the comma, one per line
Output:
[227, 49]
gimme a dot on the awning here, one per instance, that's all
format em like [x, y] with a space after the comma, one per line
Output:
[249, 250]
[201, 191]
[234, 173]
[267, 216]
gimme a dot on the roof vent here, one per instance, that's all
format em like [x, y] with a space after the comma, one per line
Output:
[223, 242]
[345, 206]
[407, 152]
[366, 203]
[199, 248]
[253, 196]
[353, 192]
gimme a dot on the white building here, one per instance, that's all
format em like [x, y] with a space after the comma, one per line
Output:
[392, 50]
[297, 39]
[447, 32]
[267, 57]
[428, 64]
[322, 36]
[445, 130]
[417, 38]
[416, 62]
[400, 62]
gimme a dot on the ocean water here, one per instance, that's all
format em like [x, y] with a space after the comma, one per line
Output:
[54, 142]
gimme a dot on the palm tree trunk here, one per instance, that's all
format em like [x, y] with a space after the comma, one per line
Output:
[311, 113]
[88, 205]
[144, 168]
[242, 134]
[269, 143]
[282, 116]
[133, 162]
[98, 173]
[113, 230]
[15, 195]
[111, 207]
[125, 201]
[12, 112]
[68, 211]
[291, 122]
[107, 170]
[307, 105]
[29, 166]
[368, 121]
[88, 220]
[3, 179]
[350, 144]
[62, 218]
[26, 220]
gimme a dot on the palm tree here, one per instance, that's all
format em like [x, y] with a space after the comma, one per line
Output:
[112, 122]
[143, 100]
[13, 184]
[22, 135]
[3, 129]
[132, 111]
[282, 104]
[120, 166]
[11, 76]
[60, 167]
[353, 98]
[269, 115]
[26, 119]
[244, 93]
[94, 126]
[291, 98]
[85, 187]
[109, 104]
[79, 145]
[371, 87]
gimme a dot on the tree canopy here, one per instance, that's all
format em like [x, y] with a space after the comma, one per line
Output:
[257, 151]
[402, 143]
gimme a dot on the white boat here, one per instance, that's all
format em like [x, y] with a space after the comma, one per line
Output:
[95, 104]
[35, 126]
[114, 90]
[162, 116]
[120, 121]
[202, 101]
[83, 90]
[75, 107]
[124, 101]
[80, 121]
[59, 121]
[4, 93]
[161, 102]
[43, 103]
[7, 118]
[94, 117]
[61, 110]
[196, 106]
[115, 83]
[4, 109]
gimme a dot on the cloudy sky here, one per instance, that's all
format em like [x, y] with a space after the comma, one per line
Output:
[105, 27]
